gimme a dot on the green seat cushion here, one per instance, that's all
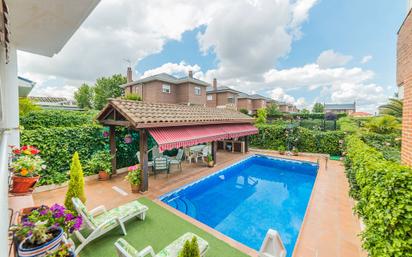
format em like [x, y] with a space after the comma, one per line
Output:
[127, 247]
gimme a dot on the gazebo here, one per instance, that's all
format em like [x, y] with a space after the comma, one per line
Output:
[173, 126]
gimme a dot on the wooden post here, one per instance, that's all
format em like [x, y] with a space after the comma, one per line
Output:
[246, 144]
[214, 151]
[112, 139]
[144, 159]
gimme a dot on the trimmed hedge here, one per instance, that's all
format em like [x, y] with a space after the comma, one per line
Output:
[58, 144]
[383, 190]
[303, 115]
[389, 145]
[305, 140]
[56, 118]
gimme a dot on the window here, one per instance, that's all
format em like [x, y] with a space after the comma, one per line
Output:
[197, 91]
[209, 97]
[166, 88]
[231, 100]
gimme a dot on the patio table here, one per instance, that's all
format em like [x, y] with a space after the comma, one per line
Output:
[194, 150]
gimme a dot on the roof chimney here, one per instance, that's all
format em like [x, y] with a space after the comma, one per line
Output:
[129, 74]
[214, 84]
[190, 74]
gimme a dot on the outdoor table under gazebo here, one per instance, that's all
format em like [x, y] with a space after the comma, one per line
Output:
[173, 126]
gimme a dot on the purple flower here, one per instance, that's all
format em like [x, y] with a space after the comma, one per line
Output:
[69, 217]
[105, 134]
[28, 223]
[78, 223]
[58, 210]
[43, 212]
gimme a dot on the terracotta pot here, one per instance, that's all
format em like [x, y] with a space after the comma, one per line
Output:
[281, 152]
[103, 175]
[23, 184]
[210, 164]
[295, 153]
[135, 188]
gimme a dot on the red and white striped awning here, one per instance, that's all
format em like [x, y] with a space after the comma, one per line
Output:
[169, 138]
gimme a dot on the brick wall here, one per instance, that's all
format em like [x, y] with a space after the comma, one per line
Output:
[404, 77]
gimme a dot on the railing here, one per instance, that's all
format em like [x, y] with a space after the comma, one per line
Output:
[4, 188]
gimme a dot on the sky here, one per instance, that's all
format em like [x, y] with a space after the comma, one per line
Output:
[298, 51]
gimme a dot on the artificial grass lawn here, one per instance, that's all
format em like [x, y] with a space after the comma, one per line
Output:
[160, 228]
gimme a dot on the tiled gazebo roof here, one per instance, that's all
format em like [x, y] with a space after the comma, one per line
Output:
[147, 115]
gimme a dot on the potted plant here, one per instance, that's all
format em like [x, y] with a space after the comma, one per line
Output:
[101, 163]
[44, 230]
[26, 166]
[210, 161]
[134, 178]
[281, 150]
[295, 151]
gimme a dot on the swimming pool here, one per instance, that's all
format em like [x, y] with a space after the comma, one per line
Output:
[247, 198]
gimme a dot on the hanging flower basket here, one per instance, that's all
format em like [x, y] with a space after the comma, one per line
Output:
[128, 139]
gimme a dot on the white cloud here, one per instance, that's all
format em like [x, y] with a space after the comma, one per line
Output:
[178, 69]
[366, 59]
[249, 37]
[331, 59]
[55, 91]
[279, 94]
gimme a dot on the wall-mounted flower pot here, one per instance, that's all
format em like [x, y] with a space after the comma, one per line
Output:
[103, 175]
[27, 250]
[23, 185]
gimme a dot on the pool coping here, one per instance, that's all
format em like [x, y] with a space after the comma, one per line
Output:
[255, 152]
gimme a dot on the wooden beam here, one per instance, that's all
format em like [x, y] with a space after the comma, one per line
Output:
[144, 160]
[116, 123]
[246, 144]
[112, 139]
[214, 151]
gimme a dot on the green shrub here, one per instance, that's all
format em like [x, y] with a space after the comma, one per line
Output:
[383, 125]
[100, 161]
[306, 140]
[190, 248]
[56, 118]
[389, 145]
[383, 190]
[132, 97]
[261, 116]
[76, 183]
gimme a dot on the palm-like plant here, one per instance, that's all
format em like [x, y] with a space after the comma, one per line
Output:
[393, 108]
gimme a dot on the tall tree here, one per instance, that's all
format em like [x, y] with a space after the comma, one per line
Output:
[393, 108]
[318, 108]
[107, 88]
[273, 109]
[84, 96]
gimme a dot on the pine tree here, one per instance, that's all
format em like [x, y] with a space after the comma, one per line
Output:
[76, 183]
[195, 248]
[187, 250]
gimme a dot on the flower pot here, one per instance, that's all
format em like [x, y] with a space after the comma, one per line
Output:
[38, 251]
[282, 152]
[210, 164]
[135, 188]
[103, 175]
[23, 185]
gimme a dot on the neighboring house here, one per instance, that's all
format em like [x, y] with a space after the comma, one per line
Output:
[340, 108]
[404, 82]
[165, 88]
[25, 86]
[287, 107]
[222, 96]
[60, 103]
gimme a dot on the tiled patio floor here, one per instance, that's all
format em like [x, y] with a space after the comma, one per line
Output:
[329, 228]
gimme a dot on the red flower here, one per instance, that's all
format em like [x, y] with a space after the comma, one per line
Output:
[23, 148]
[17, 151]
[34, 151]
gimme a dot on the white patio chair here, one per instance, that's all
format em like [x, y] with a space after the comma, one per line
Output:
[272, 245]
[100, 221]
[124, 249]
[149, 163]
[178, 159]
[203, 154]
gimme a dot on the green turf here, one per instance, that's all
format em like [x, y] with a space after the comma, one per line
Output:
[159, 229]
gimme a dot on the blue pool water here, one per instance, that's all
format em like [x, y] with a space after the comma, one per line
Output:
[246, 199]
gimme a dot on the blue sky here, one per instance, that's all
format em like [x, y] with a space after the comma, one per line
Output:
[299, 51]
[351, 27]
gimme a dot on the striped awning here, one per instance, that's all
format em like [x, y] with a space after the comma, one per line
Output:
[169, 138]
